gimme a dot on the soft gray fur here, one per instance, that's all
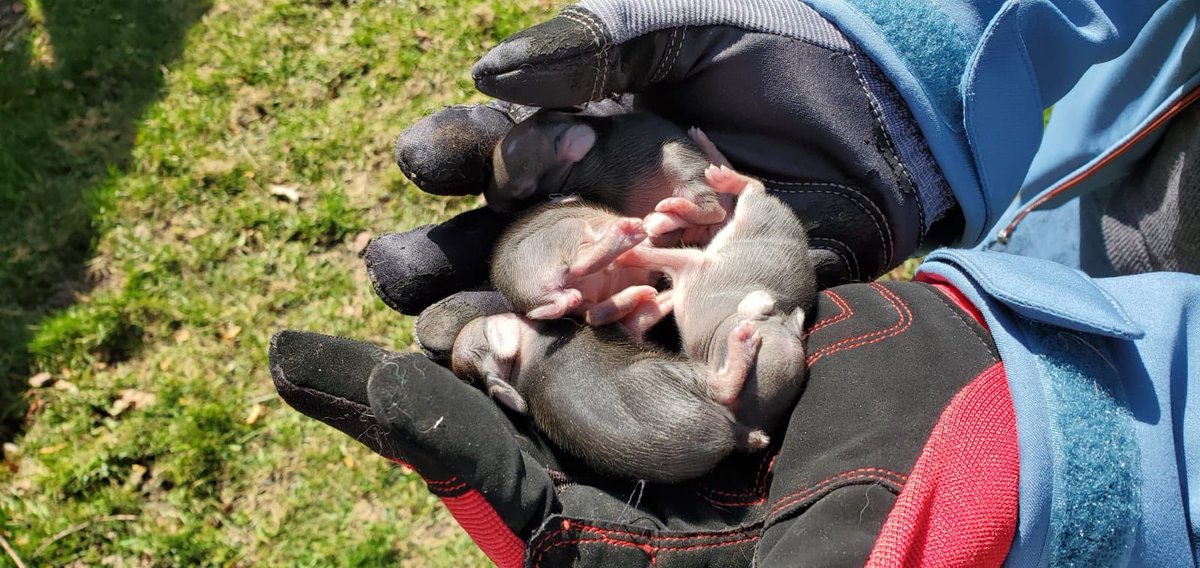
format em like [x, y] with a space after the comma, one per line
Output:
[634, 161]
[761, 254]
[563, 247]
[625, 410]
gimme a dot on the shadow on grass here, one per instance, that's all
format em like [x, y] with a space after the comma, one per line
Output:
[75, 78]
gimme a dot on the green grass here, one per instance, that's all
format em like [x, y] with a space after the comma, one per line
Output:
[143, 259]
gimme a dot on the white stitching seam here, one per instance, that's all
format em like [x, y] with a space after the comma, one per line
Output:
[602, 52]
[885, 234]
[604, 47]
[661, 72]
[850, 265]
[878, 114]
[596, 38]
[678, 49]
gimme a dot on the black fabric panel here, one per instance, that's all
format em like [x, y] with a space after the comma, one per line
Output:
[884, 361]
[408, 408]
[569, 542]
[454, 433]
[325, 378]
[838, 530]
[817, 143]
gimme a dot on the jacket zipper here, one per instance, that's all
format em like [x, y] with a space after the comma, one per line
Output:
[1003, 236]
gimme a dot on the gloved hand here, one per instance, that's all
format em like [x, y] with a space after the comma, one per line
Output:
[819, 495]
[783, 94]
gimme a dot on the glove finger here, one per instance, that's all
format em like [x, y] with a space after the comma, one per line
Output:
[325, 378]
[568, 60]
[453, 432]
[414, 269]
[408, 409]
[591, 50]
[438, 325]
[450, 151]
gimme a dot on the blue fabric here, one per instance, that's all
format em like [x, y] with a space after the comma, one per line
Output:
[1155, 391]
[1095, 483]
[1069, 234]
[1023, 57]
[935, 48]
[1113, 100]
[1110, 104]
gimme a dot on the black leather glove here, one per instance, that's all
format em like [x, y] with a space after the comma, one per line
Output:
[783, 94]
[818, 496]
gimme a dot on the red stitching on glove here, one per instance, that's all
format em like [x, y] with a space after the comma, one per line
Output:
[445, 486]
[758, 493]
[537, 561]
[572, 524]
[441, 485]
[650, 549]
[864, 473]
[844, 312]
[902, 325]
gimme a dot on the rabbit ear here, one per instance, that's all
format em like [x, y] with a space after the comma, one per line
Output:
[506, 394]
[574, 143]
[503, 334]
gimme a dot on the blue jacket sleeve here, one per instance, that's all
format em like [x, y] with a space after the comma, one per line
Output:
[979, 73]
[1103, 375]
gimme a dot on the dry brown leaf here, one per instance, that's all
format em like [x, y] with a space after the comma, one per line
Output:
[361, 241]
[352, 310]
[484, 16]
[51, 449]
[66, 386]
[231, 331]
[182, 336]
[424, 39]
[137, 474]
[349, 461]
[40, 380]
[195, 233]
[164, 364]
[257, 411]
[288, 192]
[214, 168]
[131, 398]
